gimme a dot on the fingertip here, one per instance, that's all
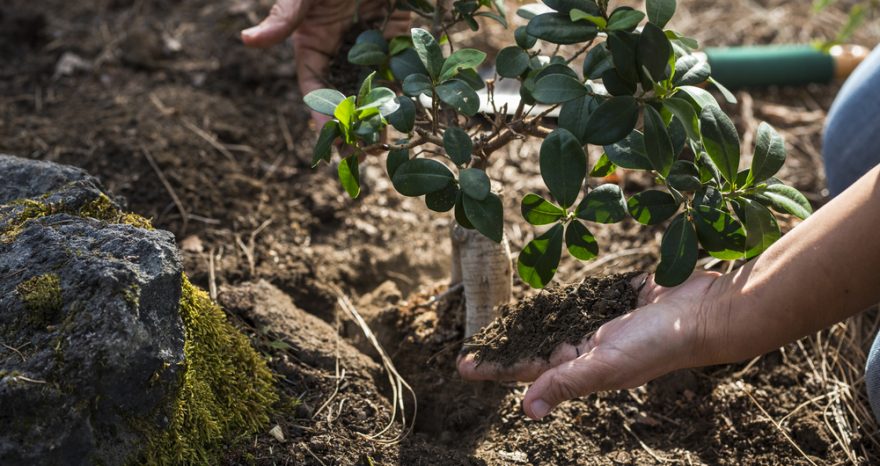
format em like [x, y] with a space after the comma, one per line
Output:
[537, 409]
[467, 367]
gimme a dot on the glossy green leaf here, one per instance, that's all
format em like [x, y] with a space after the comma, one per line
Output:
[366, 87]
[678, 253]
[511, 62]
[373, 36]
[523, 39]
[557, 28]
[406, 63]
[538, 261]
[366, 54]
[418, 177]
[459, 60]
[458, 212]
[604, 167]
[701, 97]
[428, 50]
[612, 121]
[475, 183]
[652, 207]
[684, 112]
[616, 85]
[345, 112]
[691, 70]
[624, 48]
[349, 175]
[324, 101]
[558, 88]
[486, 215]
[471, 78]
[684, 176]
[399, 44]
[654, 51]
[629, 152]
[581, 15]
[442, 200]
[458, 145]
[598, 61]
[565, 6]
[728, 96]
[721, 235]
[329, 133]
[539, 211]
[761, 227]
[625, 19]
[575, 114]
[396, 158]
[658, 145]
[786, 199]
[458, 95]
[416, 84]
[720, 140]
[563, 166]
[404, 119]
[380, 98]
[604, 204]
[660, 11]
[580, 242]
[769, 154]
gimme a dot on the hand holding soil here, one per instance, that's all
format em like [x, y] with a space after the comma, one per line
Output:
[317, 28]
[659, 336]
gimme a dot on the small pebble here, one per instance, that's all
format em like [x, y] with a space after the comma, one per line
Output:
[277, 433]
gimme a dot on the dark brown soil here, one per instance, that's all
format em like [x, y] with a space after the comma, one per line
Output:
[533, 327]
[169, 82]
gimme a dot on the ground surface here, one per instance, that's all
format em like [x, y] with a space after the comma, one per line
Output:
[160, 100]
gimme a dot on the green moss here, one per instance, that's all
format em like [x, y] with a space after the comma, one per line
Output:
[102, 209]
[132, 295]
[227, 390]
[42, 297]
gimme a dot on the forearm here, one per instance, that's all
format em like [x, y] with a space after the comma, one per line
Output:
[823, 271]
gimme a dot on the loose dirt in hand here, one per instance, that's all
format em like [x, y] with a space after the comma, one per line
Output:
[534, 327]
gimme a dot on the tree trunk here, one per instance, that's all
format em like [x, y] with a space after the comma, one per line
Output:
[484, 268]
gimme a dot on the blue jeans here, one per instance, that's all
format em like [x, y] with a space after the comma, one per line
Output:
[851, 150]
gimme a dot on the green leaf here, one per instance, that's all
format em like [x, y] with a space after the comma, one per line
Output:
[511, 62]
[475, 183]
[382, 99]
[416, 84]
[616, 85]
[691, 70]
[349, 175]
[685, 113]
[406, 63]
[539, 260]
[420, 176]
[575, 114]
[652, 207]
[539, 211]
[563, 166]
[328, 135]
[784, 199]
[565, 6]
[557, 28]
[443, 200]
[346, 112]
[399, 44]
[580, 242]
[604, 204]
[556, 69]
[612, 121]
[678, 253]
[721, 235]
[604, 167]
[624, 19]
[429, 51]
[654, 51]
[366, 54]
[629, 152]
[458, 95]
[683, 40]
[577, 15]
[373, 36]
[486, 215]
[324, 101]
[761, 227]
[460, 216]
[728, 96]
[660, 11]
[720, 140]
[558, 88]
[458, 145]
[404, 119]
[658, 145]
[396, 158]
[684, 176]
[366, 87]
[700, 97]
[523, 39]
[769, 154]
[623, 47]
[491, 14]
[459, 60]
[598, 61]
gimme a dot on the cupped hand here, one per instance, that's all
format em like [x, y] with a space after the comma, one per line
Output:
[317, 28]
[663, 334]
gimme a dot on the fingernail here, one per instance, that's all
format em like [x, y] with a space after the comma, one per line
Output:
[251, 32]
[540, 408]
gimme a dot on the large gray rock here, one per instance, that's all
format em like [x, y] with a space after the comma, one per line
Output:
[92, 338]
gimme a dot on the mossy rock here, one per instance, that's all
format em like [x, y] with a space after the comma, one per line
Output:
[119, 359]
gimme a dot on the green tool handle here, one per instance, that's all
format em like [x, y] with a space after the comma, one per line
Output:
[770, 65]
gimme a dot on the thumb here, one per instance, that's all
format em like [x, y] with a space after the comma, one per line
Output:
[284, 17]
[576, 378]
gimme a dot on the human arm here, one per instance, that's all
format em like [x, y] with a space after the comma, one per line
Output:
[821, 272]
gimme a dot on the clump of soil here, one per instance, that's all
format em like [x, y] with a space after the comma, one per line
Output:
[534, 327]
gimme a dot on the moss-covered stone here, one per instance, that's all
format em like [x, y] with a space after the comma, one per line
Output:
[103, 209]
[227, 391]
[42, 298]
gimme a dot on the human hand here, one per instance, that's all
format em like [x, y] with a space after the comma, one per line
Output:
[665, 333]
[317, 27]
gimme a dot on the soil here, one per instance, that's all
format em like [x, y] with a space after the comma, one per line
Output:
[212, 141]
[533, 327]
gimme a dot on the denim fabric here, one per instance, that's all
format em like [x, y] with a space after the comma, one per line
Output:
[852, 129]
[850, 150]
